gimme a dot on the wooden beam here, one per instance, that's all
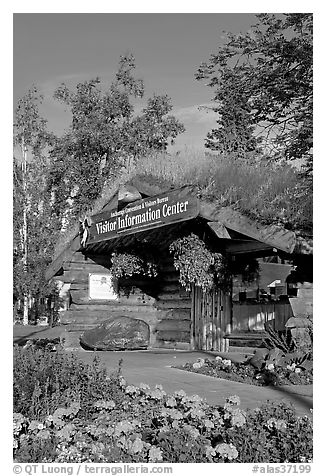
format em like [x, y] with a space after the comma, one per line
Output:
[219, 229]
[273, 235]
[66, 254]
[243, 246]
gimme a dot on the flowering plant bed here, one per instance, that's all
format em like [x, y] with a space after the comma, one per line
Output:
[68, 412]
[287, 372]
[42, 343]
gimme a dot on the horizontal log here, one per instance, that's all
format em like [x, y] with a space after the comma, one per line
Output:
[79, 287]
[174, 336]
[169, 287]
[87, 267]
[172, 296]
[75, 276]
[90, 318]
[93, 307]
[179, 304]
[173, 325]
[163, 344]
[171, 278]
[114, 307]
[176, 314]
[81, 296]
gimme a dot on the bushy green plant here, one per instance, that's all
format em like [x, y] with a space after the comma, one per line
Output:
[148, 425]
[128, 264]
[69, 412]
[279, 340]
[197, 264]
[44, 380]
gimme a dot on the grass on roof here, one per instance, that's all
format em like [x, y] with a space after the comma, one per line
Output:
[269, 192]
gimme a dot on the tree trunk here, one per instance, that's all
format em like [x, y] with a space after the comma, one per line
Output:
[24, 233]
[25, 309]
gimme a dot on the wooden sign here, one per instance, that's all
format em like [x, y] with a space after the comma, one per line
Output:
[146, 214]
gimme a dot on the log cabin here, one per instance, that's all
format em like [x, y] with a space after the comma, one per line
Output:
[140, 214]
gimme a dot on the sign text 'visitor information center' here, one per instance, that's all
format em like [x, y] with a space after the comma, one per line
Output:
[144, 214]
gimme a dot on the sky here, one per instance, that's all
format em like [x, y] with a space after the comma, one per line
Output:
[51, 48]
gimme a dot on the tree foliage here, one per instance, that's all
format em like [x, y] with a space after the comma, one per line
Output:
[42, 229]
[33, 223]
[263, 89]
[105, 134]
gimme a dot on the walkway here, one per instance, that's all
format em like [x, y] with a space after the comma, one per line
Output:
[154, 368]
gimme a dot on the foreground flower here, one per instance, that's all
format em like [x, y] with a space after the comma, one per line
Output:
[193, 432]
[197, 365]
[155, 454]
[277, 424]
[291, 367]
[137, 446]
[232, 400]
[227, 451]
[208, 424]
[171, 402]
[210, 452]
[180, 393]
[131, 389]
[238, 417]
[270, 367]
[227, 362]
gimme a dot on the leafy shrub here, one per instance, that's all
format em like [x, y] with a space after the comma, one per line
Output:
[279, 339]
[125, 423]
[43, 381]
[47, 344]
[197, 264]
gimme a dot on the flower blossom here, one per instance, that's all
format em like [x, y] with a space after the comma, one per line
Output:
[171, 402]
[197, 413]
[208, 424]
[238, 418]
[227, 451]
[193, 432]
[155, 454]
[137, 445]
[277, 424]
[291, 367]
[180, 393]
[227, 362]
[218, 358]
[232, 400]
[270, 367]
[34, 425]
[210, 451]
[197, 365]
[131, 389]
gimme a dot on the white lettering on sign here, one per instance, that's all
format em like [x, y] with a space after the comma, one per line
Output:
[124, 220]
[179, 207]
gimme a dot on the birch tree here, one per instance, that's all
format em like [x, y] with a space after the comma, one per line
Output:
[32, 209]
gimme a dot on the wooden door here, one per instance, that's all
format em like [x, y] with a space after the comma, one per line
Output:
[211, 319]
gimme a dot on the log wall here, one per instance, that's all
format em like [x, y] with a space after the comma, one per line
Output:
[160, 302]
